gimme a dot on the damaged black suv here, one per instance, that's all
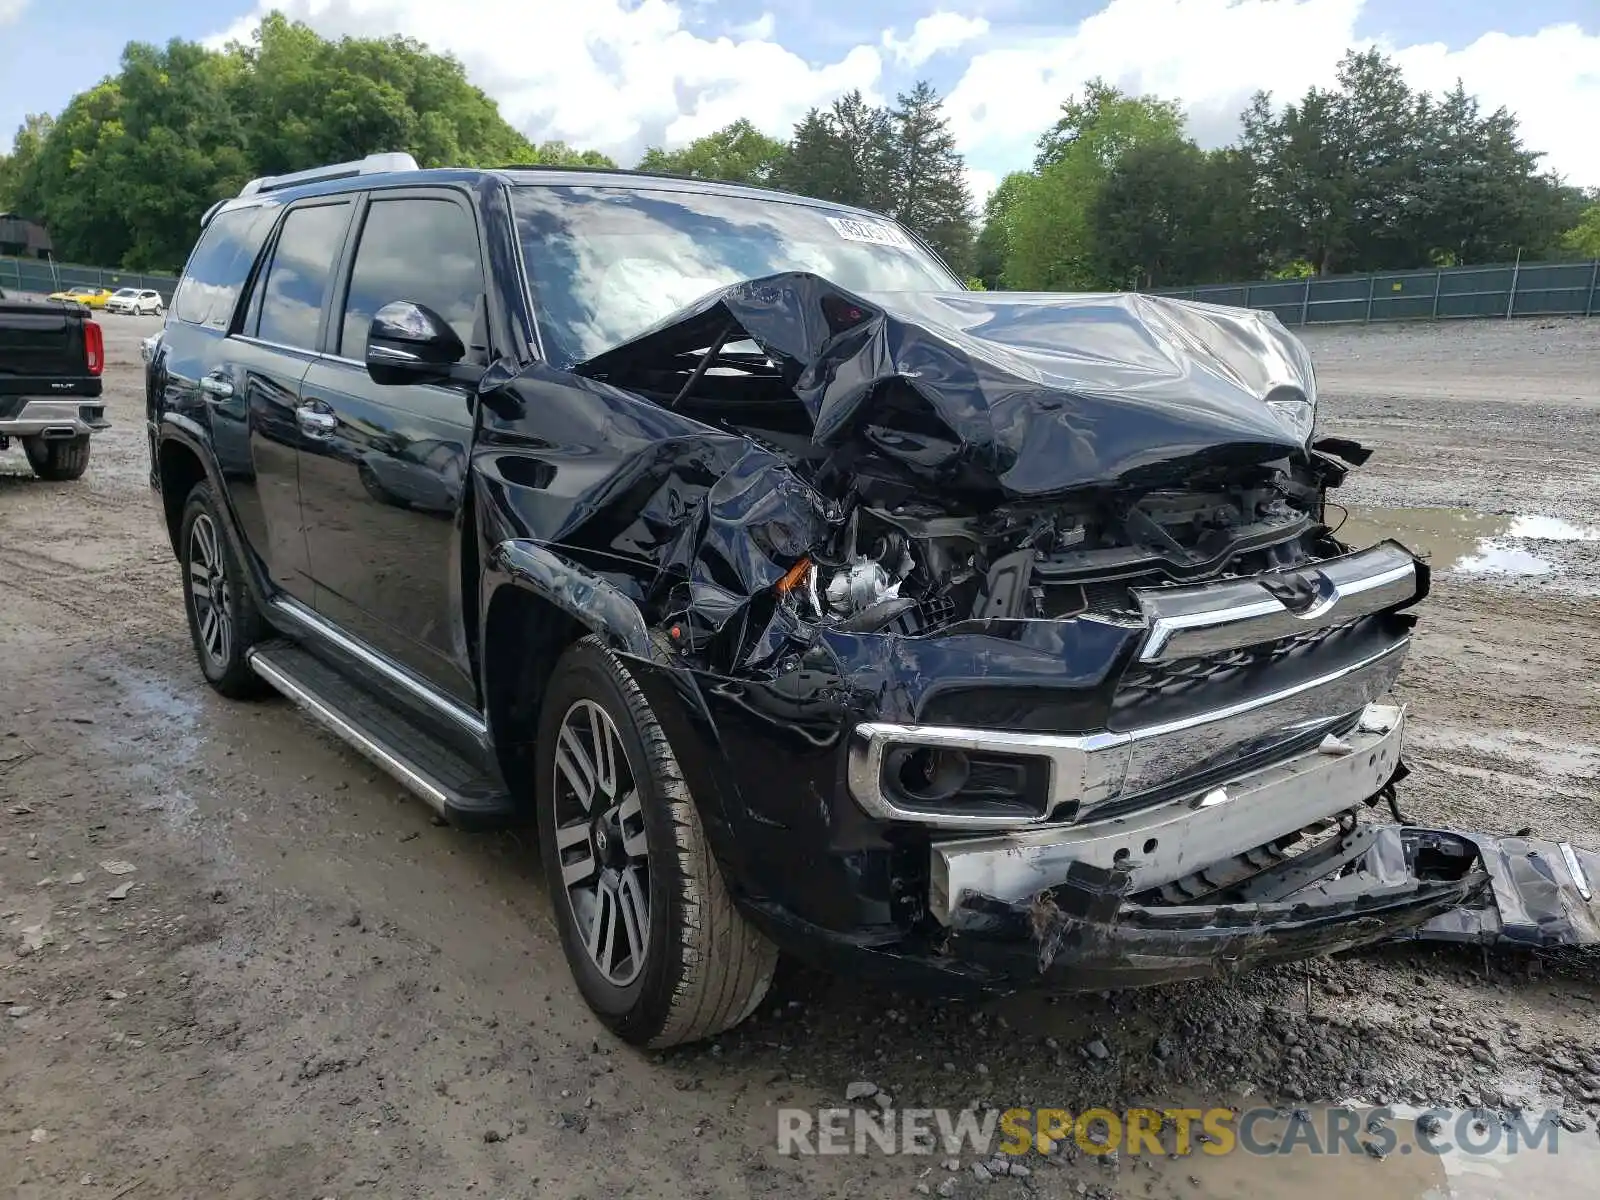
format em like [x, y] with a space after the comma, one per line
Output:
[804, 599]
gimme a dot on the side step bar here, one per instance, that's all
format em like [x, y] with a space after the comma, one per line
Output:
[461, 792]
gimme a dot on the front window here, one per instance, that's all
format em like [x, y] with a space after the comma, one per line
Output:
[607, 263]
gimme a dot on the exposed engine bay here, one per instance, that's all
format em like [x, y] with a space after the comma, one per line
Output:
[913, 569]
[982, 468]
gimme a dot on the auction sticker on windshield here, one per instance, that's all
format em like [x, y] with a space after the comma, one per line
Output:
[868, 231]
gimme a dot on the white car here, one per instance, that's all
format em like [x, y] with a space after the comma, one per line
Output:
[136, 301]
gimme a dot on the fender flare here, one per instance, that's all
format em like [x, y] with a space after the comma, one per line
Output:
[595, 603]
[174, 427]
[601, 608]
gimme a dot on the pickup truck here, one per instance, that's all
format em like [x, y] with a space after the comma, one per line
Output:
[802, 599]
[52, 357]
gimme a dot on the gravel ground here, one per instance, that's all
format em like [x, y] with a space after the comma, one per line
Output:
[304, 988]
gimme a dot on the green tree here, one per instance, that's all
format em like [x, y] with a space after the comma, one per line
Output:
[124, 173]
[1480, 195]
[1372, 176]
[738, 153]
[557, 153]
[928, 177]
[1584, 238]
[812, 167]
[993, 246]
[19, 171]
[311, 100]
[844, 154]
[1108, 122]
[1052, 238]
[1149, 216]
[1171, 214]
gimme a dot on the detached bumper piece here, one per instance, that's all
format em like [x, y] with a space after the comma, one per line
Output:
[1542, 895]
[1089, 933]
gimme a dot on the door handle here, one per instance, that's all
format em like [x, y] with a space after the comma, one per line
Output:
[315, 422]
[217, 386]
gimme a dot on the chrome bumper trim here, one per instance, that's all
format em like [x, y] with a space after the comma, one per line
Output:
[1175, 839]
[471, 721]
[1090, 769]
[1575, 869]
[60, 418]
[1211, 618]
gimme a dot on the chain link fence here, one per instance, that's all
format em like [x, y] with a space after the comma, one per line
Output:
[1512, 290]
[45, 276]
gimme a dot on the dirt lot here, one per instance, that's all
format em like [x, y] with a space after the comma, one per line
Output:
[310, 990]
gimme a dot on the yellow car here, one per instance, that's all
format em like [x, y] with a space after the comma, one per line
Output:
[89, 297]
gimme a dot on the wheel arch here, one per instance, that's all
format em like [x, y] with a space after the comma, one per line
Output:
[178, 468]
[182, 459]
[536, 603]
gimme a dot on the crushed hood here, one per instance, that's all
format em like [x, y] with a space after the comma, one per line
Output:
[1037, 393]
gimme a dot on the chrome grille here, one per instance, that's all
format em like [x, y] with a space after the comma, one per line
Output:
[1148, 680]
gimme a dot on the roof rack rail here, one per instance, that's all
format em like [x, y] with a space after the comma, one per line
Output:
[372, 164]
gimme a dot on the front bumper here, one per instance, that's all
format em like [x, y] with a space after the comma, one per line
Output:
[1057, 907]
[1375, 883]
[1083, 907]
[63, 418]
[1197, 642]
[1154, 846]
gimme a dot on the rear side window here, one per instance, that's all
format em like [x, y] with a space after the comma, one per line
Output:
[217, 268]
[421, 250]
[297, 279]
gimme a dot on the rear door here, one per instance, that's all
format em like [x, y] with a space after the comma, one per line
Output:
[214, 380]
[381, 484]
[279, 336]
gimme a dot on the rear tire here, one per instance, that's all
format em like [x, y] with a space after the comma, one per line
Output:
[637, 853]
[57, 459]
[223, 621]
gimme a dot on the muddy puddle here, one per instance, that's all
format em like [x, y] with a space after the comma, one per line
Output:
[1507, 545]
[1327, 1153]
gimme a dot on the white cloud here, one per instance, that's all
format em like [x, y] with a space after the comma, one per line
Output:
[618, 75]
[981, 184]
[759, 30]
[605, 74]
[10, 10]
[937, 33]
[1212, 54]
[1550, 79]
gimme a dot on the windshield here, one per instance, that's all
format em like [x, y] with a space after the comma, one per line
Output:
[607, 263]
[128, 293]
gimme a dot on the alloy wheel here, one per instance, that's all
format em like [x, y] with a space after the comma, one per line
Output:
[208, 587]
[601, 843]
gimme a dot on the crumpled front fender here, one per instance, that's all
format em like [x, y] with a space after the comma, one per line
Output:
[594, 602]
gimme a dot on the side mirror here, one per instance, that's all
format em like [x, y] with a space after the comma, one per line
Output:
[410, 343]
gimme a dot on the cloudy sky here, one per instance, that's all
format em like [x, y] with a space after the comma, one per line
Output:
[623, 74]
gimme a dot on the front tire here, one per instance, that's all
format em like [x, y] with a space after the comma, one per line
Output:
[223, 621]
[655, 943]
[57, 459]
